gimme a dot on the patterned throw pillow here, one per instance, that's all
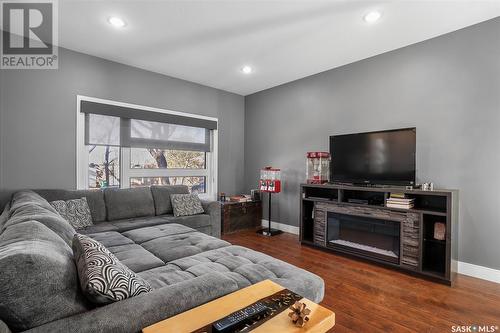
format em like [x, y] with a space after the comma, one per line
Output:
[4, 216]
[103, 278]
[75, 211]
[186, 204]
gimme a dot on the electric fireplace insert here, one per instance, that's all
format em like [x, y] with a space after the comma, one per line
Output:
[371, 237]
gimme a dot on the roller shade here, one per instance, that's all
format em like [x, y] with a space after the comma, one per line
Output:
[102, 130]
[139, 114]
[110, 130]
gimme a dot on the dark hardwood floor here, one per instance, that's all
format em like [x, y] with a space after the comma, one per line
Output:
[369, 298]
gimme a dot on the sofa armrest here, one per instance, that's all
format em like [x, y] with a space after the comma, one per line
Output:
[133, 314]
[212, 208]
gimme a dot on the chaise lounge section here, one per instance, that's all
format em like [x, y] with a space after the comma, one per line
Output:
[179, 257]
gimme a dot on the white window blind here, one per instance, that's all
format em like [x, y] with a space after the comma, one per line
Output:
[151, 134]
[102, 130]
[167, 132]
[114, 131]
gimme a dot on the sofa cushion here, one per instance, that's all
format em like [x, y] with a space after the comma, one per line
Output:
[98, 227]
[142, 235]
[111, 238]
[193, 221]
[161, 196]
[130, 254]
[247, 267]
[103, 278]
[38, 280]
[30, 206]
[75, 211]
[129, 203]
[172, 247]
[95, 200]
[136, 257]
[165, 276]
[186, 204]
[206, 230]
[138, 222]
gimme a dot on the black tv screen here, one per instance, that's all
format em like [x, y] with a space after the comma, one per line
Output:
[385, 157]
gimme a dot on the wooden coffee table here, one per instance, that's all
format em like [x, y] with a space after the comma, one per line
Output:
[321, 319]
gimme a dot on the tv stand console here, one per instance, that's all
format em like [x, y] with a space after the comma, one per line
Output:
[355, 220]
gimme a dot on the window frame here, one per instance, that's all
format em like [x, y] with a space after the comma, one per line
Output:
[126, 172]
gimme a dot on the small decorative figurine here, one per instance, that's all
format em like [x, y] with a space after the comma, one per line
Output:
[299, 314]
[439, 230]
[428, 186]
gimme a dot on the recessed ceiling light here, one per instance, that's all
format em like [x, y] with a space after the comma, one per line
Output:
[247, 69]
[116, 22]
[372, 17]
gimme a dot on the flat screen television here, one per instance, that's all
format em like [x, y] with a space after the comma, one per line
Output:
[384, 157]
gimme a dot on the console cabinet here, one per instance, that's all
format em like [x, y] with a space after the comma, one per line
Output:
[356, 221]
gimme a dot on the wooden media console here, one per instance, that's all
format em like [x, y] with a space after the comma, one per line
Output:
[356, 221]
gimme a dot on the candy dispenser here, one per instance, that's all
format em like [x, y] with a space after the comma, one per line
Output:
[270, 180]
[318, 167]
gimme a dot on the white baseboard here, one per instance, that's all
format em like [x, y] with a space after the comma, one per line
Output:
[464, 268]
[479, 272]
[281, 226]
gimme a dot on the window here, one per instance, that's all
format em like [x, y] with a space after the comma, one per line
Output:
[157, 147]
[104, 166]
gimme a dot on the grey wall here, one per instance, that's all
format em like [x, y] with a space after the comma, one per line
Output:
[448, 87]
[38, 117]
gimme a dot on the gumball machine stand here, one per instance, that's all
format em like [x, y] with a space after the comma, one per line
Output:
[270, 182]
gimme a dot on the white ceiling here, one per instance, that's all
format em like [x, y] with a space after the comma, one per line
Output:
[209, 41]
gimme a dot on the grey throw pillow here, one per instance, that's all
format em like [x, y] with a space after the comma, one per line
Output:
[75, 211]
[103, 278]
[186, 204]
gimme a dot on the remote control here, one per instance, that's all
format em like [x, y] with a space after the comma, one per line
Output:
[237, 317]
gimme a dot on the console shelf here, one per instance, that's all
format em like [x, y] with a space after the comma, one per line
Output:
[354, 220]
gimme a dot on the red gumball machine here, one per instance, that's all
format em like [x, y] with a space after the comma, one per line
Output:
[318, 167]
[270, 182]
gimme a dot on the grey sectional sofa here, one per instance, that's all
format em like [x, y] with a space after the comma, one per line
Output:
[180, 257]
